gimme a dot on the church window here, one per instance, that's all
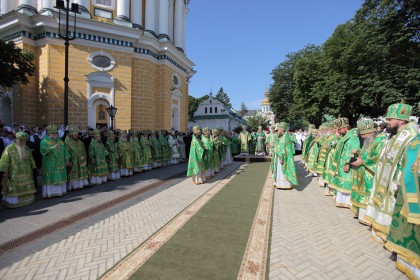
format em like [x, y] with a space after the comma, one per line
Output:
[110, 4]
[205, 110]
[101, 61]
[215, 109]
[101, 113]
[211, 110]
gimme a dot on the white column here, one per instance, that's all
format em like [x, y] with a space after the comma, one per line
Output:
[47, 5]
[123, 10]
[137, 13]
[84, 8]
[171, 19]
[8, 5]
[184, 29]
[150, 20]
[164, 19]
[179, 11]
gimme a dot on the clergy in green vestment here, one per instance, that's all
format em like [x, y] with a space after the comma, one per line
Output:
[404, 233]
[260, 142]
[284, 174]
[235, 144]
[98, 167]
[245, 138]
[145, 145]
[224, 144]
[313, 151]
[387, 178]
[365, 167]
[113, 156]
[328, 172]
[136, 151]
[156, 149]
[77, 171]
[306, 144]
[196, 168]
[125, 155]
[17, 165]
[270, 141]
[343, 175]
[327, 137]
[216, 150]
[163, 140]
[54, 161]
[294, 140]
[208, 155]
[229, 157]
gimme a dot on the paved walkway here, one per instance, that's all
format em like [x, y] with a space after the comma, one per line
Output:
[88, 253]
[310, 237]
[313, 239]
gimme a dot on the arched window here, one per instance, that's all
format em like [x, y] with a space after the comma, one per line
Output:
[211, 110]
[215, 109]
[205, 110]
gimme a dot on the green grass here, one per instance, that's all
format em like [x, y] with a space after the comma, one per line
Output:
[211, 245]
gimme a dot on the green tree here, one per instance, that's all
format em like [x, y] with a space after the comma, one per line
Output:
[15, 64]
[282, 90]
[243, 110]
[193, 105]
[258, 120]
[223, 97]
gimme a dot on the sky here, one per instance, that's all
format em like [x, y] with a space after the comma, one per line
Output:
[235, 44]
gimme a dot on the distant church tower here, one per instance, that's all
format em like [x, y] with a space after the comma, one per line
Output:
[265, 106]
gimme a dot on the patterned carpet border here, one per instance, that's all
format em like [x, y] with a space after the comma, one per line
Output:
[129, 265]
[254, 262]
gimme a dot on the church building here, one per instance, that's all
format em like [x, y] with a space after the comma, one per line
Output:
[130, 54]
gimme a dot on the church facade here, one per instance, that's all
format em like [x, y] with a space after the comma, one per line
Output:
[130, 54]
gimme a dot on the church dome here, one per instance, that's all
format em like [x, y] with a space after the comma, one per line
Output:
[266, 101]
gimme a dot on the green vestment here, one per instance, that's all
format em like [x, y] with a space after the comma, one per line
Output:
[98, 154]
[136, 152]
[124, 152]
[387, 179]
[322, 157]
[156, 150]
[313, 154]
[21, 182]
[146, 149]
[363, 175]
[166, 155]
[78, 159]
[53, 161]
[235, 145]
[343, 181]
[208, 156]
[113, 156]
[260, 142]
[404, 233]
[197, 153]
[245, 137]
[216, 152]
[284, 152]
[305, 148]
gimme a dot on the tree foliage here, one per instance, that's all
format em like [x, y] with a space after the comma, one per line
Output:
[15, 64]
[243, 110]
[367, 64]
[193, 105]
[223, 97]
[258, 120]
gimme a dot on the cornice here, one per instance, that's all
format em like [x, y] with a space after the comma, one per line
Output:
[94, 33]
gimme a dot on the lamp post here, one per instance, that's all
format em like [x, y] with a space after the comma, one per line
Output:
[74, 8]
[112, 111]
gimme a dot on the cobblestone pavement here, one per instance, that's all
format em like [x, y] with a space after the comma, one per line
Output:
[90, 252]
[313, 239]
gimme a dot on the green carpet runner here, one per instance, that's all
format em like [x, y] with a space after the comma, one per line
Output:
[212, 243]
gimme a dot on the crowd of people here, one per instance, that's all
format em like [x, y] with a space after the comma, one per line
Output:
[55, 161]
[375, 173]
